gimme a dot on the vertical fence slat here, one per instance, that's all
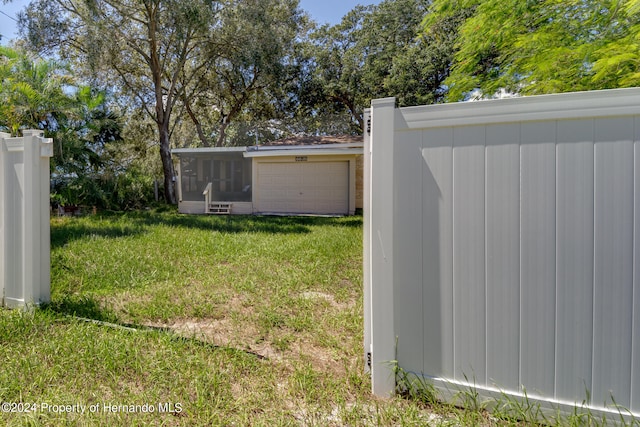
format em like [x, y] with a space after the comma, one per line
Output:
[635, 344]
[613, 259]
[468, 253]
[537, 257]
[408, 301]
[437, 251]
[44, 176]
[31, 233]
[13, 171]
[3, 178]
[502, 248]
[574, 259]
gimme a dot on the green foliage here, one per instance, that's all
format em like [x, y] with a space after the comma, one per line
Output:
[86, 168]
[331, 83]
[374, 52]
[230, 72]
[549, 46]
[248, 73]
[126, 190]
[131, 190]
[32, 93]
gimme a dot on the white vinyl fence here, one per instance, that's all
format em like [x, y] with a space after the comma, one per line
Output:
[502, 248]
[24, 219]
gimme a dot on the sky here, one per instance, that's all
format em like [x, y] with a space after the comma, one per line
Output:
[322, 11]
[331, 11]
[8, 25]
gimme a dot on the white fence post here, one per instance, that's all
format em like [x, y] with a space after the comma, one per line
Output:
[366, 246]
[24, 219]
[380, 261]
[3, 203]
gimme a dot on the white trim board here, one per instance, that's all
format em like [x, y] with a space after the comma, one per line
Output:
[564, 106]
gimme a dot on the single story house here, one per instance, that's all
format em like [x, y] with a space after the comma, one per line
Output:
[300, 175]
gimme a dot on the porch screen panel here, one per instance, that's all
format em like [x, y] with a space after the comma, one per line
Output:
[231, 178]
[228, 173]
[192, 187]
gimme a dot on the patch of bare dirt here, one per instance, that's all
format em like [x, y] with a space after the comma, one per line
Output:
[311, 295]
[227, 331]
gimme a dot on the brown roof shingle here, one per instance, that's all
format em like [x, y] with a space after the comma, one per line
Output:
[316, 140]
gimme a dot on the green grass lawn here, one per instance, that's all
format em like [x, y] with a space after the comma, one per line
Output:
[196, 320]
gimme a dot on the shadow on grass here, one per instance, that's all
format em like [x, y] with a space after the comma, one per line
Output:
[122, 224]
[62, 233]
[192, 340]
[244, 223]
[232, 224]
[88, 309]
[83, 307]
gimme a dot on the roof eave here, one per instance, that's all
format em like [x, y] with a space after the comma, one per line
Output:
[305, 152]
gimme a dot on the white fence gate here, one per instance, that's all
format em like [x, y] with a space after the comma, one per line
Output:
[502, 248]
[24, 219]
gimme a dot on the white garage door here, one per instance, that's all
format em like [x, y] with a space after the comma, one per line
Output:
[303, 187]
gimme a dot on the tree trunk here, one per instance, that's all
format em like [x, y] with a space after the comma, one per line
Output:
[167, 164]
[196, 122]
[222, 133]
[357, 116]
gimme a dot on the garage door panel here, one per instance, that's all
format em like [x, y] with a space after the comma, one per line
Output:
[314, 187]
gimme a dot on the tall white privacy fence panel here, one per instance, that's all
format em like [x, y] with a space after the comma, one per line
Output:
[502, 248]
[24, 219]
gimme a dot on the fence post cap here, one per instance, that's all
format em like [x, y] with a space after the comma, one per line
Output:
[33, 132]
